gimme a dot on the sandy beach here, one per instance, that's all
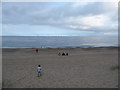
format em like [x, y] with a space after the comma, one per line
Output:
[82, 68]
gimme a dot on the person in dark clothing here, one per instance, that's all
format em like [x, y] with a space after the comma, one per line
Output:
[66, 54]
[63, 54]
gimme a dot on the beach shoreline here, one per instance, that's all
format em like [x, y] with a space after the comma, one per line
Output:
[59, 47]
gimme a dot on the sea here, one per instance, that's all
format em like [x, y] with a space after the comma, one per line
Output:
[58, 41]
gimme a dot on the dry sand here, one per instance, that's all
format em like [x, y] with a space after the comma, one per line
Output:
[83, 68]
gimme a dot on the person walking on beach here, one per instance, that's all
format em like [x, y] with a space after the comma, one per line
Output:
[36, 50]
[39, 68]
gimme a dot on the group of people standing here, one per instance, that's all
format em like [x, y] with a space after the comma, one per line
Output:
[63, 54]
[60, 54]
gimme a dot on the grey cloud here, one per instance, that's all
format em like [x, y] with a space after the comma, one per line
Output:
[48, 14]
[14, 12]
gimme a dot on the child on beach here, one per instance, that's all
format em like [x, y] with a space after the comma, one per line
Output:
[39, 70]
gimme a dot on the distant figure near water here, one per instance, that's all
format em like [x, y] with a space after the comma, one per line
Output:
[36, 50]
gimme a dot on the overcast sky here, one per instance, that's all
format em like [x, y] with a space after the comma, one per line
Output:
[60, 18]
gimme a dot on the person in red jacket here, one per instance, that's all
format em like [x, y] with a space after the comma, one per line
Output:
[36, 50]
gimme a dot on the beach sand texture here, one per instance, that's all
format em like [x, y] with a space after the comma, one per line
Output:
[82, 68]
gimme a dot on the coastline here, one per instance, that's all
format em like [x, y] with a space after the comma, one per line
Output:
[59, 47]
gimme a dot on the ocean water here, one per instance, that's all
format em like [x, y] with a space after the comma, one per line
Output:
[57, 41]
